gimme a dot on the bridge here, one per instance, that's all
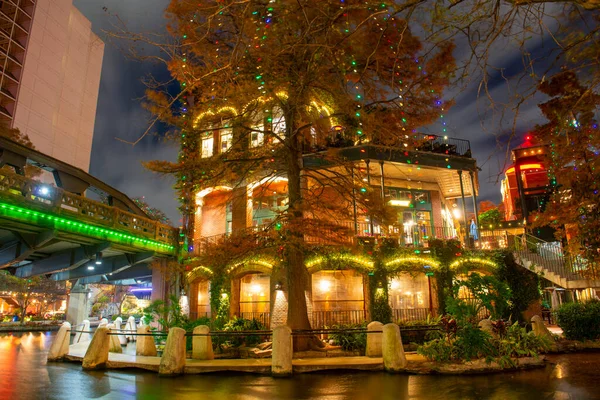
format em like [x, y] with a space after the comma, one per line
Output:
[49, 226]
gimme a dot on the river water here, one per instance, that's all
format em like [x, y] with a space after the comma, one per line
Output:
[25, 375]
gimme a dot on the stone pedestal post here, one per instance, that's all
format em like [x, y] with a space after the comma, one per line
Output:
[130, 328]
[202, 345]
[394, 359]
[114, 344]
[60, 346]
[172, 361]
[374, 340]
[144, 345]
[96, 355]
[281, 361]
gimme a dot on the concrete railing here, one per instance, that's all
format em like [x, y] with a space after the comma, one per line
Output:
[36, 196]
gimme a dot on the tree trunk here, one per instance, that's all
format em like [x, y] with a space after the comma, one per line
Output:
[296, 272]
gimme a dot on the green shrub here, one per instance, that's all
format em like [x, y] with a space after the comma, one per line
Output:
[468, 342]
[517, 342]
[580, 321]
[350, 341]
[439, 350]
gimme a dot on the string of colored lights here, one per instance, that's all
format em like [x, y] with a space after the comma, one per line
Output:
[89, 229]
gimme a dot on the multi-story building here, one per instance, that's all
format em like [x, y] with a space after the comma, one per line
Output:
[51, 63]
[421, 186]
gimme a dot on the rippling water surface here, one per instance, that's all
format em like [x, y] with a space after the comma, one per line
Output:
[25, 375]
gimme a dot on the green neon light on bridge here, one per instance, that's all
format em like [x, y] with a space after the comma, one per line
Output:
[71, 224]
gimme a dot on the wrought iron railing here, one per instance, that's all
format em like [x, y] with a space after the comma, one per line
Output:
[321, 319]
[31, 194]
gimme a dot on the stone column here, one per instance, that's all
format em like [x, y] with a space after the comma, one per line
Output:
[78, 304]
[239, 209]
[60, 346]
[279, 303]
[234, 298]
[281, 361]
[394, 359]
[96, 355]
[159, 287]
[374, 340]
[202, 348]
[172, 361]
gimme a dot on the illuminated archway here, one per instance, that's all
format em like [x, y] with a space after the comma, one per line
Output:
[342, 260]
[468, 264]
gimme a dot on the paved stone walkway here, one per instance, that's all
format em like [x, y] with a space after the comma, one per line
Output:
[416, 364]
[255, 365]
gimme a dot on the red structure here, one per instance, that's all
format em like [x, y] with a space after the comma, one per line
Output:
[526, 185]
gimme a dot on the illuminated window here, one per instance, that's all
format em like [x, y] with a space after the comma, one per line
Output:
[257, 138]
[408, 292]
[255, 295]
[226, 137]
[203, 299]
[207, 146]
[278, 122]
[340, 290]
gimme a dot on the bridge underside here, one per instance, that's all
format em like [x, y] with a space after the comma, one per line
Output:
[31, 251]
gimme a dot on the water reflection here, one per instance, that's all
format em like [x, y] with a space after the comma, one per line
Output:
[25, 375]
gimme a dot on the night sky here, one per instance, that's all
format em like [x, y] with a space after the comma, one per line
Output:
[120, 115]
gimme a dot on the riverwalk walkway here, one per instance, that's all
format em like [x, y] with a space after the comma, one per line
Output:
[416, 364]
[252, 365]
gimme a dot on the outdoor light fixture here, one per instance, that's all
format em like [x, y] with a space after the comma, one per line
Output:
[91, 267]
[43, 191]
[456, 213]
[278, 286]
[99, 258]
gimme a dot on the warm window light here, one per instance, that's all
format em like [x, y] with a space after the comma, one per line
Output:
[524, 167]
[255, 288]
[395, 284]
[401, 203]
[324, 285]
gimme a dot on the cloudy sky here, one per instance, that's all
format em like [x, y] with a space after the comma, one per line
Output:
[120, 114]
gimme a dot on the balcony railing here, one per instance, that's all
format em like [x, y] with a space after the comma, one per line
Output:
[342, 233]
[429, 143]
